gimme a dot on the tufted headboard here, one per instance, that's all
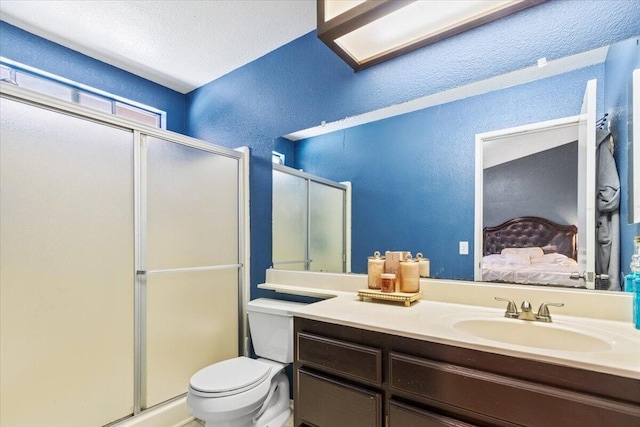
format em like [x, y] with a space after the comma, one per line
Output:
[530, 231]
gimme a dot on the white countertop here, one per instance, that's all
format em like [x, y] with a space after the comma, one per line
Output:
[435, 321]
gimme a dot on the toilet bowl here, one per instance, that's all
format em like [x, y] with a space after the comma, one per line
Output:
[244, 392]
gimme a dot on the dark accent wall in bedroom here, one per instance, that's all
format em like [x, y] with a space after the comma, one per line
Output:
[544, 184]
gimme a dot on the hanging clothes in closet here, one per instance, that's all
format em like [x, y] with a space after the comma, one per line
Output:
[607, 213]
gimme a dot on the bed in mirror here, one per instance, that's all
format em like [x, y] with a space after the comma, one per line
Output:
[530, 250]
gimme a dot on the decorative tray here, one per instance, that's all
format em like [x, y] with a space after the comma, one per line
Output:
[406, 297]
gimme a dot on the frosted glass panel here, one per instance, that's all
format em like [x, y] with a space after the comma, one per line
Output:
[95, 102]
[289, 220]
[192, 322]
[192, 208]
[66, 269]
[326, 238]
[5, 72]
[43, 85]
[137, 115]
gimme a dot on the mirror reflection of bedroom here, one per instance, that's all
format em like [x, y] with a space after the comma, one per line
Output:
[547, 200]
[529, 209]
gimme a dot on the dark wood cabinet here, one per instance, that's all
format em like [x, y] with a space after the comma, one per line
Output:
[326, 401]
[346, 376]
[337, 382]
[356, 362]
[403, 415]
[501, 397]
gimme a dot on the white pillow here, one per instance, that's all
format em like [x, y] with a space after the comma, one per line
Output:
[493, 259]
[533, 252]
[520, 259]
[553, 258]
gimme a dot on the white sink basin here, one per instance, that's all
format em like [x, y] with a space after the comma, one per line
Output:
[533, 334]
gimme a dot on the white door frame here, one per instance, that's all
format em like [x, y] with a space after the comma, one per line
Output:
[485, 137]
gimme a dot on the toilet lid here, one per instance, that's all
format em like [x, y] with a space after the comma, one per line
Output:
[229, 376]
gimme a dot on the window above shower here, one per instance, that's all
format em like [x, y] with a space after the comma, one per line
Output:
[67, 90]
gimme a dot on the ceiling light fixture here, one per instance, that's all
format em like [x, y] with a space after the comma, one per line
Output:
[367, 32]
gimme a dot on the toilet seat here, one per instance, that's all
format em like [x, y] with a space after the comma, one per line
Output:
[229, 377]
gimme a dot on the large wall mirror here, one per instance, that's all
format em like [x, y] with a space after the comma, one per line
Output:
[413, 171]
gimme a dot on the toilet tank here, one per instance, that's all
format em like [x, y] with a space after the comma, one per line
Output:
[271, 328]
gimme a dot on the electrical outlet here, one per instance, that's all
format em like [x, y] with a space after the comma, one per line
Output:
[464, 248]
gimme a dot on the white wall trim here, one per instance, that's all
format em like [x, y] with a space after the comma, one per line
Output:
[245, 249]
[514, 78]
[347, 225]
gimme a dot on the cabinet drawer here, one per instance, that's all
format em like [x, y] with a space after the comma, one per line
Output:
[357, 362]
[401, 415]
[503, 397]
[324, 402]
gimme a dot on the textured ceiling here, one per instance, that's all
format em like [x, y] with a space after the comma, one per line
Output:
[178, 44]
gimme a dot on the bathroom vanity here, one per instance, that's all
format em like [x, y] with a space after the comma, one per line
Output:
[347, 376]
[443, 363]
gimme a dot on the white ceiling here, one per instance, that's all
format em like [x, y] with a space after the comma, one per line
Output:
[180, 44]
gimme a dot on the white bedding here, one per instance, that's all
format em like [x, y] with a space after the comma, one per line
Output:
[529, 266]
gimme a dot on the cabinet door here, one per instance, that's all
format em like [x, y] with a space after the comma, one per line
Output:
[352, 361]
[401, 415]
[324, 402]
[509, 399]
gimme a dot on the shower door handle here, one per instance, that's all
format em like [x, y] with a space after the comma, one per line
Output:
[188, 269]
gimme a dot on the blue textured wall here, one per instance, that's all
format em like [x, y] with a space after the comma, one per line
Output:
[622, 59]
[413, 175]
[304, 83]
[29, 49]
[286, 147]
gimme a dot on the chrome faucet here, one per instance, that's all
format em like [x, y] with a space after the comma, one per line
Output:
[543, 314]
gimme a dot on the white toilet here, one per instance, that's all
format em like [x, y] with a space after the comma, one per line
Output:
[245, 392]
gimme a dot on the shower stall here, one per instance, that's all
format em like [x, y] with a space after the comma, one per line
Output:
[121, 262]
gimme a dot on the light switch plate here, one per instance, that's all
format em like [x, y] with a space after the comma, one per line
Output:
[464, 248]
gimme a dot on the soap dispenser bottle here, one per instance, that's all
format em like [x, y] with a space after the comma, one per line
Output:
[632, 281]
[635, 266]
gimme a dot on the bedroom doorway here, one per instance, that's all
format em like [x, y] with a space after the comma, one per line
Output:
[543, 170]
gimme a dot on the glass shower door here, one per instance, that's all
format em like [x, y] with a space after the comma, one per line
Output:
[66, 269]
[120, 263]
[290, 222]
[309, 222]
[326, 227]
[190, 232]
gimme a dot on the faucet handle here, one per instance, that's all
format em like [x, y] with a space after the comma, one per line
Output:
[512, 311]
[543, 312]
